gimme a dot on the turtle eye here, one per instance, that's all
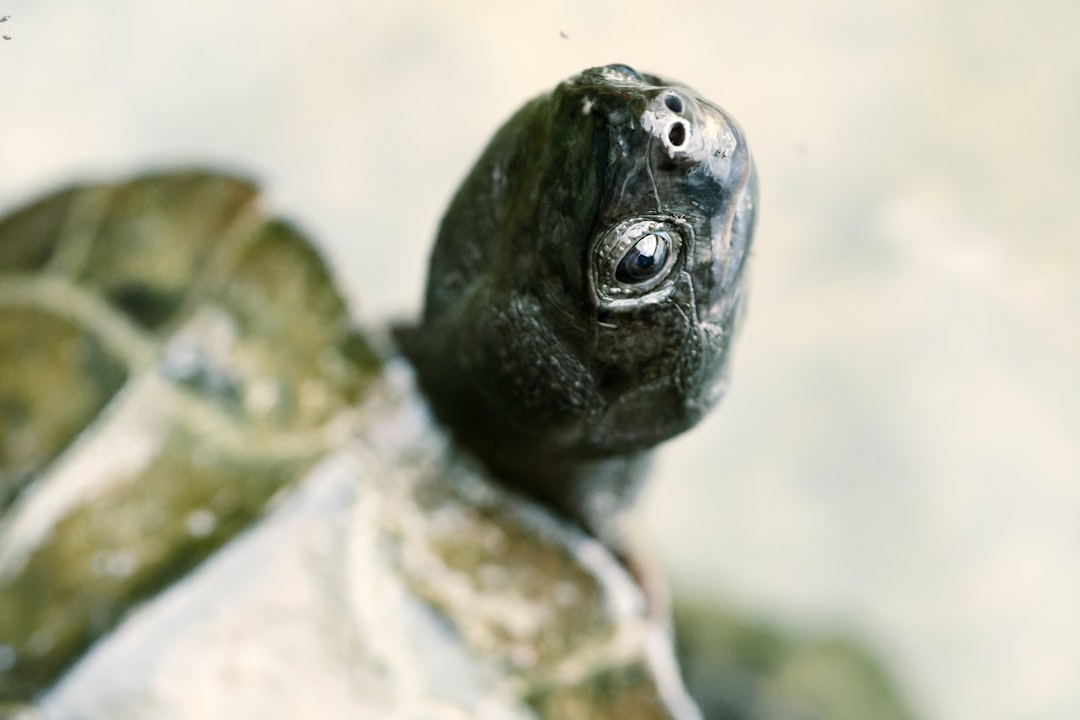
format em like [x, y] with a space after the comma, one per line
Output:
[636, 260]
[645, 259]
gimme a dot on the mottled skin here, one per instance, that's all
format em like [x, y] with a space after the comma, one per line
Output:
[585, 285]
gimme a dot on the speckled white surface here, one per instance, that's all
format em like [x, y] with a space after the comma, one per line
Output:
[899, 452]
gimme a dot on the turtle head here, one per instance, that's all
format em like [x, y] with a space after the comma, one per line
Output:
[587, 278]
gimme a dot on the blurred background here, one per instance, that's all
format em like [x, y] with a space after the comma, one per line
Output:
[899, 455]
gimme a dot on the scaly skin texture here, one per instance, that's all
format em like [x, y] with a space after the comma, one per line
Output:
[585, 285]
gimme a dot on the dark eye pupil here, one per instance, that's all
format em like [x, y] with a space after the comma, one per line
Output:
[644, 260]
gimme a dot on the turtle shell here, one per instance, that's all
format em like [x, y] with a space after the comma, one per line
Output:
[216, 500]
[171, 358]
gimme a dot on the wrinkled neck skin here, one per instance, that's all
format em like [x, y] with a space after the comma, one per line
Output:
[584, 288]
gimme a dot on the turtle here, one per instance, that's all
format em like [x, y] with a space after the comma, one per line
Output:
[221, 496]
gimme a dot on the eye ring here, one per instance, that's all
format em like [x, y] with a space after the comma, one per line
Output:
[634, 261]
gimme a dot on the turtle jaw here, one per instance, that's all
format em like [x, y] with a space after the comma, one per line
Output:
[665, 390]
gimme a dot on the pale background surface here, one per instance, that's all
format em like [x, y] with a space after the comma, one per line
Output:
[900, 452]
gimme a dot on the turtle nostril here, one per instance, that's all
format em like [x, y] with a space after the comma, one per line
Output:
[674, 104]
[677, 134]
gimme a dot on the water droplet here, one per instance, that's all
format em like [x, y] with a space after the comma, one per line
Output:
[41, 642]
[114, 563]
[263, 396]
[200, 523]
